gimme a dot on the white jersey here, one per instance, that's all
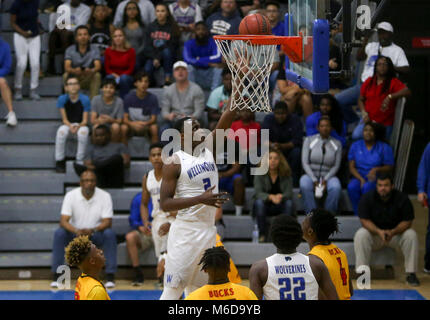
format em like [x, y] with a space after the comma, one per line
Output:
[197, 175]
[290, 277]
[153, 186]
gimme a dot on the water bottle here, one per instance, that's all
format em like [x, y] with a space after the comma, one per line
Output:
[255, 234]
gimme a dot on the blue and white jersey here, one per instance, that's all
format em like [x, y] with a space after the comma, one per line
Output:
[290, 277]
[198, 173]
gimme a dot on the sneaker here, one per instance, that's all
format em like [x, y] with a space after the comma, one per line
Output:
[11, 119]
[34, 95]
[110, 281]
[426, 270]
[18, 95]
[60, 166]
[412, 280]
[138, 279]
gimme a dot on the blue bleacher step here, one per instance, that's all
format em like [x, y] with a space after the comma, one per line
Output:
[26, 182]
[44, 109]
[132, 175]
[48, 86]
[29, 132]
[27, 157]
[30, 208]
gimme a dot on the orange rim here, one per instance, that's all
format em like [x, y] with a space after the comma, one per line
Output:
[259, 39]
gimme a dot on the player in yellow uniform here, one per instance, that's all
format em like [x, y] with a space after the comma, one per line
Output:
[82, 253]
[233, 275]
[216, 263]
[317, 228]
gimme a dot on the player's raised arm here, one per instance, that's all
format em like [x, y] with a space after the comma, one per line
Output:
[322, 276]
[168, 188]
[258, 277]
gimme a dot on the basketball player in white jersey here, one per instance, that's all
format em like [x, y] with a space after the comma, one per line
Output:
[288, 274]
[190, 186]
[160, 225]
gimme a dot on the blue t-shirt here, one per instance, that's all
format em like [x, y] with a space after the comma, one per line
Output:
[135, 219]
[279, 29]
[381, 154]
[26, 15]
[74, 110]
[312, 128]
[201, 55]
[141, 109]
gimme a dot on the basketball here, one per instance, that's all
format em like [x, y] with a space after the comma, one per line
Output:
[255, 24]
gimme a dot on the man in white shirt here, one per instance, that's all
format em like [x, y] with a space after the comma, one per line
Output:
[369, 52]
[147, 12]
[86, 211]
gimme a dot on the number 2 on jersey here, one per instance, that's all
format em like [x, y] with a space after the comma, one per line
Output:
[298, 291]
[206, 183]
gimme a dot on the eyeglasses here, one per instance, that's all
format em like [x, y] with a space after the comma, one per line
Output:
[72, 83]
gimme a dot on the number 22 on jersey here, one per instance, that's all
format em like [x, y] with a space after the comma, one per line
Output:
[298, 290]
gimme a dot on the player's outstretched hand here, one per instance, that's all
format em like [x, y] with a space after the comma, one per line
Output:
[213, 199]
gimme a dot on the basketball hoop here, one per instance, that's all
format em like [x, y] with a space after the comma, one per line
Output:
[250, 59]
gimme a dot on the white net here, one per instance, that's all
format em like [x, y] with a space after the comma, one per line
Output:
[250, 66]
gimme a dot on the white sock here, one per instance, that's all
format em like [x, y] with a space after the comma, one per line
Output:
[238, 210]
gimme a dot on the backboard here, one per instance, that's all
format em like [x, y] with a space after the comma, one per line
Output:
[306, 18]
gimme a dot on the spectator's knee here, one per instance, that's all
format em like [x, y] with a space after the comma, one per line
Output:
[3, 82]
[410, 234]
[115, 128]
[60, 234]
[130, 237]
[109, 234]
[62, 131]
[306, 183]
[83, 131]
[362, 234]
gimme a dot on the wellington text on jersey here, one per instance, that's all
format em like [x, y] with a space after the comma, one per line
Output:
[235, 309]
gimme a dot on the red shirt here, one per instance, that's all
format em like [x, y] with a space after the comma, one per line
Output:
[120, 62]
[374, 98]
[244, 143]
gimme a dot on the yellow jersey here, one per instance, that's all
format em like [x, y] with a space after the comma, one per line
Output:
[88, 288]
[225, 291]
[337, 265]
[233, 275]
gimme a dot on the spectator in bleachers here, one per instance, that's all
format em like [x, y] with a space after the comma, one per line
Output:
[321, 157]
[298, 100]
[140, 111]
[61, 38]
[182, 98]
[386, 216]
[203, 58]
[218, 99]
[146, 8]
[328, 107]
[286, 135]
[86, 210]
[273, 191]
[82, 60]
[120, 60]
[161, 43]
[370, 52]
[26, 40]
[6, 93]
[108, 109]
[423, 186]
[254, 7]
[251, 129]
[100, 28]
[107, 159]
[137, 239]
[226, 20]
[187, 14]
[74, 108]
[134, 30]
[273, 14]
[230, 177]
[368, 157]
[378, 97]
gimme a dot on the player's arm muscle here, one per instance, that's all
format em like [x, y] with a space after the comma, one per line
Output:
[322, 276]
[258, 278]
[145, 200]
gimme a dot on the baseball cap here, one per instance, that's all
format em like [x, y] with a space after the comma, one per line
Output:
[385, 26]
[179, 64]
